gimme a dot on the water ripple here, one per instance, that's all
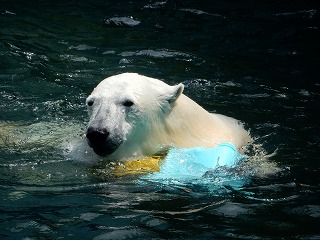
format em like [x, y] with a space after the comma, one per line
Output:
[122, 22]
[161, 53]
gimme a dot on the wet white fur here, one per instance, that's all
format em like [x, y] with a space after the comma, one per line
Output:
[161, 116]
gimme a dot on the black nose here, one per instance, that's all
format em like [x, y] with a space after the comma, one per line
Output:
[97, 137]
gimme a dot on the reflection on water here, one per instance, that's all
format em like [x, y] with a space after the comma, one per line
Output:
[254, 61]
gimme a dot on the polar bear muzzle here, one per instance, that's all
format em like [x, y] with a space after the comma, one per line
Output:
[99, 140]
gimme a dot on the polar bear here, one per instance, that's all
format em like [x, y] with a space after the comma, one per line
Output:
[133, 116]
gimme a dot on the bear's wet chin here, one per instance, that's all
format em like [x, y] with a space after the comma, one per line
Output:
[103, 149]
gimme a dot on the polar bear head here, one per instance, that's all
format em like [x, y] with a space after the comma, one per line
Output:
[124, 109]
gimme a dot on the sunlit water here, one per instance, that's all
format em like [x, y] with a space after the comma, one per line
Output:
[257, 62]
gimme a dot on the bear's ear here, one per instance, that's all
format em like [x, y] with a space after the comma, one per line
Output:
[174, 92]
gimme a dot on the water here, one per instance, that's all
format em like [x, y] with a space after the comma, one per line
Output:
[255, 61]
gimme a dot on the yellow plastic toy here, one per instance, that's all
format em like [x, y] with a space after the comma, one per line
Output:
[134, 167]
[140, 166]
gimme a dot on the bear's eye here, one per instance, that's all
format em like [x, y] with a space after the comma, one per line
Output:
[127, 103]
[90, 103]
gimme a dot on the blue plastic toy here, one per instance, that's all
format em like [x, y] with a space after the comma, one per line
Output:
[194, 163]
[225, 154]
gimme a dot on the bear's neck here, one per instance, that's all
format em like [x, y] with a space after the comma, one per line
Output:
[187, 125]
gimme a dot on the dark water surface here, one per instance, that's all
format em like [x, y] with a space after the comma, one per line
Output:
[257, 61]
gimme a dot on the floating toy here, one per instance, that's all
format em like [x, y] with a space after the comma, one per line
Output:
[181, 163]
[137, 167]
[194, 163]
